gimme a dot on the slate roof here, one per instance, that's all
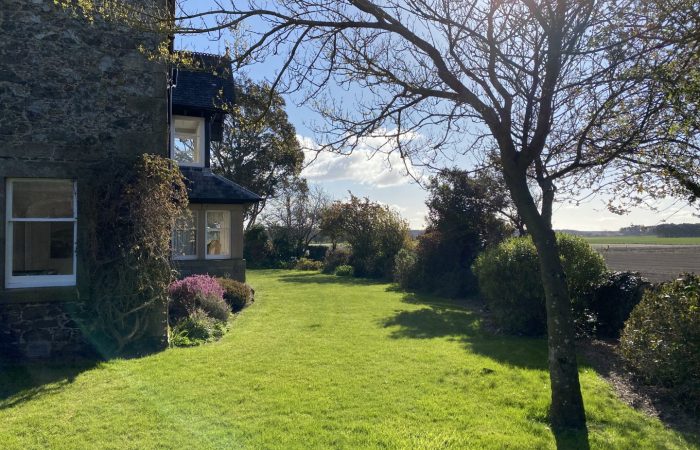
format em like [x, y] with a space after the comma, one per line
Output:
[204, 186]
[206, 86]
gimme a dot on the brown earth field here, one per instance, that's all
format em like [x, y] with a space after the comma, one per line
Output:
[656, 262]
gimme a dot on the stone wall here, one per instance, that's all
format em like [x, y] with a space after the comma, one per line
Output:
[231, 268]
[72, 93]
[40, 330]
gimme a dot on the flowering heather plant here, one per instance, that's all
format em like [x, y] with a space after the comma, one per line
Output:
[188, 294]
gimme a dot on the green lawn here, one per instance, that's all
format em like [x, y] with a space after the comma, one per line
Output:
[319, 362]
[652, 240]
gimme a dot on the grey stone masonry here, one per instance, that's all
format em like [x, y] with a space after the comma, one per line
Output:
[72, 93]
[40, 330]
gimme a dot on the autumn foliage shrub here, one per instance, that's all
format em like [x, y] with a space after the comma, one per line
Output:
[509, 280]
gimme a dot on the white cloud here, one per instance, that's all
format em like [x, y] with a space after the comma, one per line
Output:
[365, 165]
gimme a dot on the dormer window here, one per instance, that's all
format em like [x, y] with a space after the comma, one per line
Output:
[188, 141]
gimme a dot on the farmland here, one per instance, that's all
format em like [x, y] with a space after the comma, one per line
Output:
[649, 240]
[656, 262]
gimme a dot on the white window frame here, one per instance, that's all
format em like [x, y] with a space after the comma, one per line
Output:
[206, 231]
[29, 281]
[195, 217]
[200, 150]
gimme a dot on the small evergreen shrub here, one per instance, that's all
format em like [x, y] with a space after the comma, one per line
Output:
[215, 307]
[614, 299]
[509, 280]
[308, 264]
[238, 295]
[193, 293]
[661, 339]
[345, 271]
[195, 329]
[335, 258]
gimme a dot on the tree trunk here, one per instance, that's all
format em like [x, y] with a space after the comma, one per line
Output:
[567, 409]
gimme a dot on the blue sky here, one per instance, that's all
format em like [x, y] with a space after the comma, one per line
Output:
[386, 181]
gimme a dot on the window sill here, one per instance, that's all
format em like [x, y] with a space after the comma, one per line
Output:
[54, 294]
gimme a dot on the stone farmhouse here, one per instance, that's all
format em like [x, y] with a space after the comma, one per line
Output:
[72, 93]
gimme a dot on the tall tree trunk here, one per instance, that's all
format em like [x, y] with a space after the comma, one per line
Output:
[567, 409]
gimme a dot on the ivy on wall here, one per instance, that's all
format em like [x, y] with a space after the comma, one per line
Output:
[130, 209]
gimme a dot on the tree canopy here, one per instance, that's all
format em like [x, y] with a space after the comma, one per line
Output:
[259, 148]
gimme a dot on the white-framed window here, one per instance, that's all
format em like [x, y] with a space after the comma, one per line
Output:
[218, 234]
[184, 239]
[188, 141]
[41, 232]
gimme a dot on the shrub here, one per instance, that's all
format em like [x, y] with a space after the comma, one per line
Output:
[317, 252]
[257, 250]
[308, 264]
[345, 271]
[614, 299]
[374, 231]
[335, 258]
[661, 339]
[193, 293]
[238, 295]
[405, 269]
[196, 329]
[509, 279]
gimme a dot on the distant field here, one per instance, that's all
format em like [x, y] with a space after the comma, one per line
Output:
[651, 240]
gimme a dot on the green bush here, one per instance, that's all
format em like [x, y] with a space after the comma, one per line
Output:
[215, 307]
[405, 269]
[614, 299]
[335, 258]
[318, 252]
[238, 295]
[257, 250]
[345, 271]
[661, 339]
[308, 264]
[195, 329]
[509, 280]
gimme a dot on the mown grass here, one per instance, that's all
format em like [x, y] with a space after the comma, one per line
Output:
[320, 362]
[650, 240]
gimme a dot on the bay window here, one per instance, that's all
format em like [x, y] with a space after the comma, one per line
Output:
[41, 232]
[218, 234]
[185, 236]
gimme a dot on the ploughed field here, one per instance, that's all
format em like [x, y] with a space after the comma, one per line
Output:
[656, 262]
[324, 362]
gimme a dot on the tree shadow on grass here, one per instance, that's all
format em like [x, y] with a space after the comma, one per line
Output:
[464, 321]
[22, 382]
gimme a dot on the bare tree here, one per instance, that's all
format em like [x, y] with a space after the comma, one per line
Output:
[294, 217]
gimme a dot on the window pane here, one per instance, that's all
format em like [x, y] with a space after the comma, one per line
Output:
[185, 235]
[42, 248]
[185, 150]
[187, 141]
[42, 198]
[218, 233]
